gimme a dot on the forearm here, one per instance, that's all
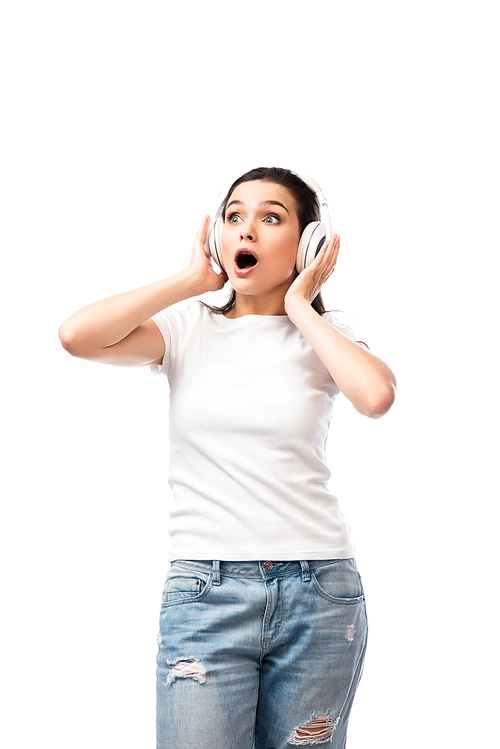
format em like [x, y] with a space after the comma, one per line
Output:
[109, 321]
[363, 378]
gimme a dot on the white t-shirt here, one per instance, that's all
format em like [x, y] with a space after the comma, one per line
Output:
[250, 408]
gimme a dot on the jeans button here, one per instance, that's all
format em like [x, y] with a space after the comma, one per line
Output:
[268, 565]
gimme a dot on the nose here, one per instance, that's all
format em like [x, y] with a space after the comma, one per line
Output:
[248, 228]
[246, 231]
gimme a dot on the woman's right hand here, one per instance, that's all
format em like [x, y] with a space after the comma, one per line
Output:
[206, 279]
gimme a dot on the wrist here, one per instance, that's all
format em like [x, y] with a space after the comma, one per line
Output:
[296, 305]
[192, 281]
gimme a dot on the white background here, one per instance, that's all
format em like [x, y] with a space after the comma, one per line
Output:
[121, 123]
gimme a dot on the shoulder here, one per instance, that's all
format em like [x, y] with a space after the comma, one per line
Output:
[180, 314]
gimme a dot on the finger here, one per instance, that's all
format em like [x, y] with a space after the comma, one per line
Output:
[320, 257]
[335, 250]
[332, 247]
[334, 243]
[201, 234]
[200, 238]
[326, 256]
[324, 263]
[326, 268]
[331, 260]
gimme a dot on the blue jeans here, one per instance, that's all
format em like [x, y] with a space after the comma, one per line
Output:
[259, 655]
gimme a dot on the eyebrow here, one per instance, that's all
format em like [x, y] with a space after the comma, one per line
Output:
[262, 202]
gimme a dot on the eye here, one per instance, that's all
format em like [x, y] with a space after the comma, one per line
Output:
[233, 218]
[271, 219]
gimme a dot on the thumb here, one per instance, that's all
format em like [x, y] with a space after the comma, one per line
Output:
[200, 238]
[202, 232]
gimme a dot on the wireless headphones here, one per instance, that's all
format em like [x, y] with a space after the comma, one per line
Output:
[311, 241]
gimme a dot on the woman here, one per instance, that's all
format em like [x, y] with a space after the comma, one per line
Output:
[263, 623]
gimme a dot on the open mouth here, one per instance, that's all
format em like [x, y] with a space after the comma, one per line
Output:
[245, 260]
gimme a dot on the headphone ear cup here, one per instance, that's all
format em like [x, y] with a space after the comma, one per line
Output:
[217, 242]
[213, 242]
[312, 240]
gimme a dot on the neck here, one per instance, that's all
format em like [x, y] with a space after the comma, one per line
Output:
[270, 302]
[245, 305]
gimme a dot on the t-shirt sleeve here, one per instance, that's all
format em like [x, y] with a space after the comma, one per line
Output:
[170, 322]
[346, 325]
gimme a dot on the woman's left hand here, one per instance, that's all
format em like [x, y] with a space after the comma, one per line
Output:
[308, 284]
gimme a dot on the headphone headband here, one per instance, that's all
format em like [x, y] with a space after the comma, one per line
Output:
[325, 213]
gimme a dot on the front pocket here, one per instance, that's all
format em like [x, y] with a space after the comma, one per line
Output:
[338, 582]
[184, 585]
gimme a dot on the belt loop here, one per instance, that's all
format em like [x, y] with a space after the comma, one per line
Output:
[216, 571]
[306, 572]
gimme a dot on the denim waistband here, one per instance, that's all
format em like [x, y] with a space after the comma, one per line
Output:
[258, 570]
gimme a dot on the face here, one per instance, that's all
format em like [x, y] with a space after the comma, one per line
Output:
[260, 238]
